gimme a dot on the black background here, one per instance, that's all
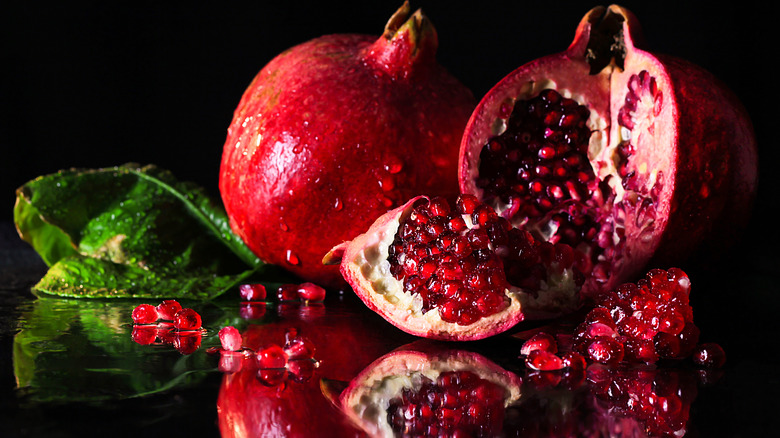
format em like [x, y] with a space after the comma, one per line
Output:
[96, 84]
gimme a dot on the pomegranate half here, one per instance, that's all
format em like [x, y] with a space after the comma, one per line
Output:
[457, 273]
[334, 132]
[630, 157]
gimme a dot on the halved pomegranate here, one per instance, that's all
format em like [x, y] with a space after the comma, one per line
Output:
[630, 157]
[458, 273]
[425, 390]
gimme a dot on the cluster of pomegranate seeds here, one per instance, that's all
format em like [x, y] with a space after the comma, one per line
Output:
[540, 160]
[167, 323]
[660, 400]
[456, 404]
[455, 259]
[637, 323]
[641, 322]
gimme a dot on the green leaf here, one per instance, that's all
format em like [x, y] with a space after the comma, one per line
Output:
[82, 351]
[130, 231]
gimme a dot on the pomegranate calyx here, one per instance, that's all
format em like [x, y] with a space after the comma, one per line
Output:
[606, 45]
[407, 45]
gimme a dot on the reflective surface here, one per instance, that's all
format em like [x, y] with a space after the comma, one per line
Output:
[80, 367]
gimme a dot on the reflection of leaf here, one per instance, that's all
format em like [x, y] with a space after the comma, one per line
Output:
[129, 231]
[77, 350]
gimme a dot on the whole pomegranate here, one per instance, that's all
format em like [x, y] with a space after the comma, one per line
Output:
[457, 272]
[633, 158]
[334, 132]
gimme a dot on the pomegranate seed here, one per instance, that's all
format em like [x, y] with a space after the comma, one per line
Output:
[230, 338]
[301, 370]
[539, 341]
[311, 292]
[542, 360]
[573, 360]
[709, 355]
[606, 350]
[272, 356]
[186, 319]
[144, 314]
[287, 292]
[252, 292]
[167, 309]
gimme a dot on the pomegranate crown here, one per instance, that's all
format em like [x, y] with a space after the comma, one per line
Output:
[407, 46]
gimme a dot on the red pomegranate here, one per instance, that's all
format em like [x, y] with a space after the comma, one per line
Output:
[334, 132]
[457, 273]
[631, 157]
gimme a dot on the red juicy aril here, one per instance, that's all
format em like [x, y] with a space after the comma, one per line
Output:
[333, 133]
[623, 154]
[456, 272]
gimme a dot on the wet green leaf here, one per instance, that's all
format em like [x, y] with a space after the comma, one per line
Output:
[130, 231]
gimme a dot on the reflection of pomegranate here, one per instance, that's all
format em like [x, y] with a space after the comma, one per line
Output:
[623, 154]
[457, 273]
[426, 390]
[289, 403]
[614, 402]
[334, 132]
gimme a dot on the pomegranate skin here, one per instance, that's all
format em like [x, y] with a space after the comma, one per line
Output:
[332, 133]
[691, 172]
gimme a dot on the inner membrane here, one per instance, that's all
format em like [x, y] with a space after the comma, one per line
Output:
[544, 173]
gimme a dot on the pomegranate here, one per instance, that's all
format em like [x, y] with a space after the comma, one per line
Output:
[334, 132]
[456, 273]
[425, 390]
[633, 158]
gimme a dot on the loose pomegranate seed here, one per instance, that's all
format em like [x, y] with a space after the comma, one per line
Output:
[287, 292]
[573, 360]
[167, 309]
[301, 370]
[709, 355]
[539, 341]
[252, 292]
[311, 292]
[144, 314]
[186, 319]
[230, 338]
[542, 360]
[272, 356]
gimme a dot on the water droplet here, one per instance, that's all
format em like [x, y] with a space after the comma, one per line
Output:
[387, 182]
[387, 202]
[291, 258]
[297, 149]
[393, 164]
[283, 226]
[338, 205]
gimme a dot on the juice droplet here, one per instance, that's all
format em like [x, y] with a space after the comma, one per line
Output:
[387, 202]
[283, 226]
[291, 258]
[338, 205]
